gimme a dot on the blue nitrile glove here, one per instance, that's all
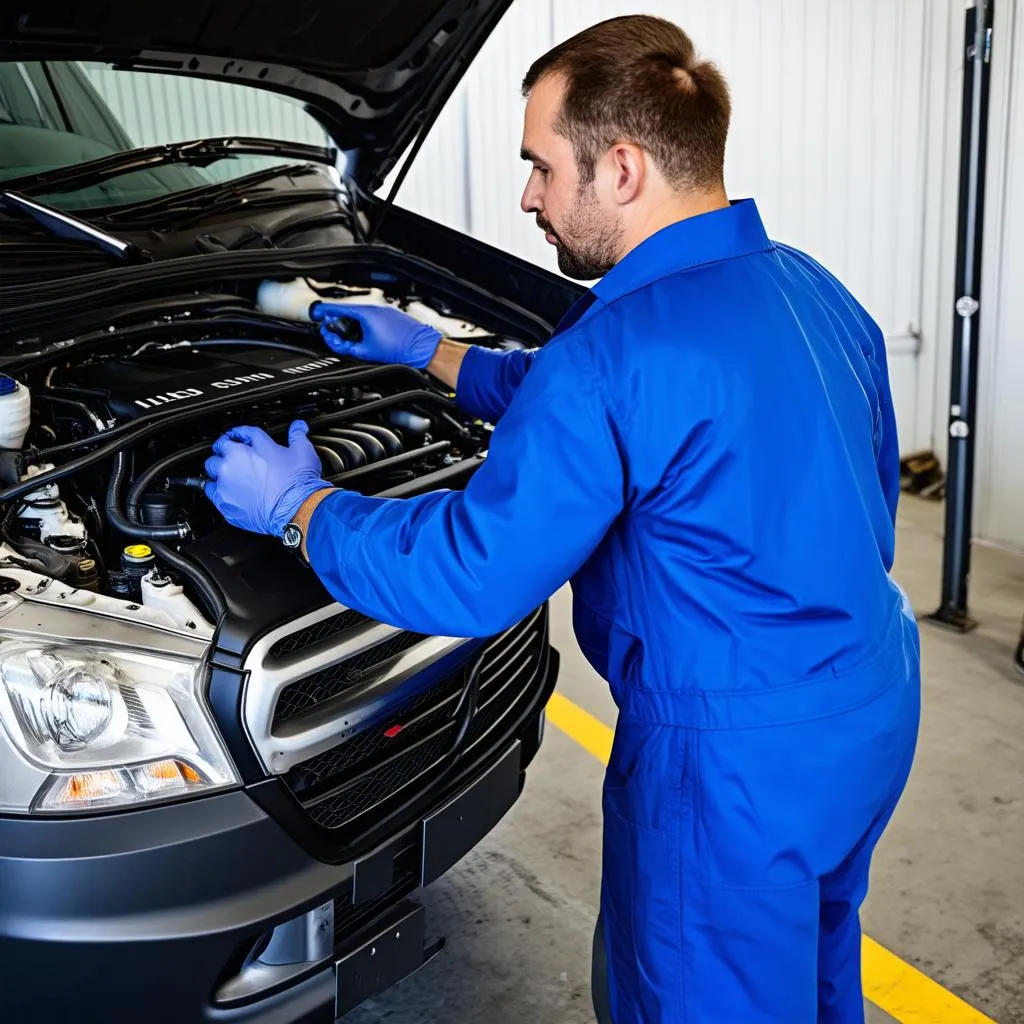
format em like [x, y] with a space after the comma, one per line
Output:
[258, 484]
[389, 335]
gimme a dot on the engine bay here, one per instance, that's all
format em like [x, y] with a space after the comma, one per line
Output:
[103, 437]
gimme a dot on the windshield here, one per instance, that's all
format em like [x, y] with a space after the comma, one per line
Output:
[58, 114]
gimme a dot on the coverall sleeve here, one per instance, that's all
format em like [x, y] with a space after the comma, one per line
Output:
[489, 378]
[887, 452]
[474, 562]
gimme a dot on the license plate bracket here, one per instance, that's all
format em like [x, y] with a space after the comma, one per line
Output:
[451, 832]
[391, 951]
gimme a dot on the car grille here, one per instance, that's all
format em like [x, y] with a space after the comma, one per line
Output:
[371, 773]
[326, 629]
[314, 690]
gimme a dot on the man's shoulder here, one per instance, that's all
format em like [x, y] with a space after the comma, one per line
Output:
[673, 317]
[643, 347]
[831, 289]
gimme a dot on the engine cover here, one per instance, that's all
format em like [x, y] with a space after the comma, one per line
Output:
[141, 384]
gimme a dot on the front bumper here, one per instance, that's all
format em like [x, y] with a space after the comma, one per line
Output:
[151, 916]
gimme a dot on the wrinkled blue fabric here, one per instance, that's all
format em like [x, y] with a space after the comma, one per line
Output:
[707, 450]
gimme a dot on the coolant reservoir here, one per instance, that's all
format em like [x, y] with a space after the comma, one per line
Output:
[160, 594]
[15, 410]
[290, 300]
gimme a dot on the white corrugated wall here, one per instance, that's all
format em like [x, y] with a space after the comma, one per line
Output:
[999, 474]
[845, 130]
[828, 135]
[999, 467]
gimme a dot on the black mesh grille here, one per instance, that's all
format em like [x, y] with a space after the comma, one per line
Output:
[423, 715]
[322, 686]
[318, 632]
[372, 770]
[382, 783]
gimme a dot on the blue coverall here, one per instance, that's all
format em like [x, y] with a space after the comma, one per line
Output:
[707, 450]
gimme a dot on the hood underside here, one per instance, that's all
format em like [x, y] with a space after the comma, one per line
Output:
[375, 74]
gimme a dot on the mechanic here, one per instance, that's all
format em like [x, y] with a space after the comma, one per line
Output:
[706, 449]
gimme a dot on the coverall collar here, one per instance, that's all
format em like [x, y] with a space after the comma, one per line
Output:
[735, 230]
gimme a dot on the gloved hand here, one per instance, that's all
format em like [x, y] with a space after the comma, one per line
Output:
[258, 484]
[389, 335]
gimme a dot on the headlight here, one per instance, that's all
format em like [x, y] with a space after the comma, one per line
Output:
[97, 727]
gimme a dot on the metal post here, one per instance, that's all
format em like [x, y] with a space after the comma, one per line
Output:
[956, 565]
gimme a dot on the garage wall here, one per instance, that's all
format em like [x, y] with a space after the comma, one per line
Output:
[999, 467]
[829, 135]
[852, 153]
[999, 472]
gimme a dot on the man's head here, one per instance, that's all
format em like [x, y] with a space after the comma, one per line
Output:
[626, 128]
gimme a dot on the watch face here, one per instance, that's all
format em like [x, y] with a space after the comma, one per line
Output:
[292, 536]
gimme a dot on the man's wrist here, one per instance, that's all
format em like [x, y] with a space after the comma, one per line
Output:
[304, 514]
[447, 361]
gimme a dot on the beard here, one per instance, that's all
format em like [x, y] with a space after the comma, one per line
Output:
[588, 244]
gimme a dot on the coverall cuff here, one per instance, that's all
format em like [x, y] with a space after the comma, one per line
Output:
[334, 515]
[478, 376]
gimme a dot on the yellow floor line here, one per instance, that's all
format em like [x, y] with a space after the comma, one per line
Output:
[907, 994]
[890, 983]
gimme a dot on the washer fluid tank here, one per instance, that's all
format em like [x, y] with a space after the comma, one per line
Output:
[15, 413]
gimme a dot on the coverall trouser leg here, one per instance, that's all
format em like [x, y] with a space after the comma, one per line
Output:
[735, 863]
[842, 891]
[599, 992]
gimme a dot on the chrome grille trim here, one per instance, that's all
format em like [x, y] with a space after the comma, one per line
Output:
[323, 726]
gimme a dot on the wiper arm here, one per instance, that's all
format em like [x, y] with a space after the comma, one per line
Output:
[65, 226]
[207, 196]
[198, 152]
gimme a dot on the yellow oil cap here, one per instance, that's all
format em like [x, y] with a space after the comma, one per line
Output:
[138, 551]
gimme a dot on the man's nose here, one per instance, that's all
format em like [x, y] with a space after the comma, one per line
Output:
[529, 203]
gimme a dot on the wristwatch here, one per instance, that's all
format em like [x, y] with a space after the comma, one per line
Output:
[291, 538]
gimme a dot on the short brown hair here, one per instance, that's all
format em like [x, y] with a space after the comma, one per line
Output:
[638, 79]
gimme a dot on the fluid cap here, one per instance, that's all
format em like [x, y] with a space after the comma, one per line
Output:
[137, 560]
[8, 385]
[158, 509]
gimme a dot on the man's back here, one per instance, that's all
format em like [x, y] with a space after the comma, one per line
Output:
[757, 539]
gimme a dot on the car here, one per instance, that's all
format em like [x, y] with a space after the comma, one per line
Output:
[220, 790]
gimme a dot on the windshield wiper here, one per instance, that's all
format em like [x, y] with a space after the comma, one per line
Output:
[210, 198]
[65, 226]
[198, 153]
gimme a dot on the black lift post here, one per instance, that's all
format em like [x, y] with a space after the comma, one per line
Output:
[956, 565]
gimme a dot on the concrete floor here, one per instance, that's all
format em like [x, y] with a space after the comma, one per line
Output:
[948, 882]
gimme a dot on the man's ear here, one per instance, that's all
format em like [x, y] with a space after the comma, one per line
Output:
[629, 172]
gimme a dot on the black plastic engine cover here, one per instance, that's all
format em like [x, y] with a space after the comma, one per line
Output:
[263, 583]
[144, 383]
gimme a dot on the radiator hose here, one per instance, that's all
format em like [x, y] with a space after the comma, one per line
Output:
[121, 523]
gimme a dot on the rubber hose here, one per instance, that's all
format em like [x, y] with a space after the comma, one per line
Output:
[205, 588]
[142, 482]
[121, 523]
[145, 427]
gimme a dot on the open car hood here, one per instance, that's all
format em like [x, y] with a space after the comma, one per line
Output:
[375, 73]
